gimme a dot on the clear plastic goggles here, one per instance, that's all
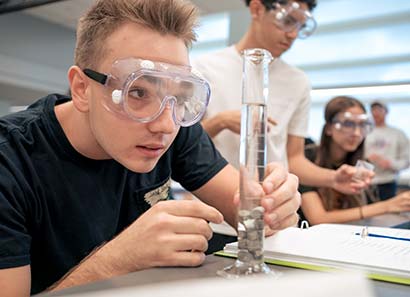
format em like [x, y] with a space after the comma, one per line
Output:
[290, 16]
[142, 89]
[348, 123]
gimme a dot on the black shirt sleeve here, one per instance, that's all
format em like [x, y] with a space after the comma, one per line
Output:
[310, 154]
[305, 189]
[14, 237]
[195, 158]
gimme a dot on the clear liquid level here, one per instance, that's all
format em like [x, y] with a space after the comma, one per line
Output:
[253, 142]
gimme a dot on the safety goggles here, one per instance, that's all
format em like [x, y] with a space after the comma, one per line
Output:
[348, 123]
[142, 89]
[289, 16]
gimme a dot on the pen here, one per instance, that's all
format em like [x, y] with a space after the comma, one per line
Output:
[385, 236]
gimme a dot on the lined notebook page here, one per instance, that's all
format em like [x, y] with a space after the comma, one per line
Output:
[338, 243]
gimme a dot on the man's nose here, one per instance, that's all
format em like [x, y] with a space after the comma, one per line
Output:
[293, 34]
[164, 123]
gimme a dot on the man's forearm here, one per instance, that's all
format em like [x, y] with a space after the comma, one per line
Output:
[309, 173]
[103, 263]
[213, 126]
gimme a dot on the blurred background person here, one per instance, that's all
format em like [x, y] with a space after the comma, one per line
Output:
[342, 142]
[388, 149]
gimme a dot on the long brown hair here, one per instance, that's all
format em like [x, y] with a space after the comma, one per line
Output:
[330, 198]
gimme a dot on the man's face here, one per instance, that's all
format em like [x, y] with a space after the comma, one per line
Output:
[271, 37]
[137, 146]
[379, 114]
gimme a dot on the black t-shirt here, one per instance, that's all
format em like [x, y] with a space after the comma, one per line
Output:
[310, 153]
[56, 205]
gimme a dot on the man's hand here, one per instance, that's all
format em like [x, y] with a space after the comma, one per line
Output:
[345, 182]
[171, 233]
[282, 199]
[380, 161]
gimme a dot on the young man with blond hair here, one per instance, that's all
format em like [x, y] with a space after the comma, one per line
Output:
[84, 181]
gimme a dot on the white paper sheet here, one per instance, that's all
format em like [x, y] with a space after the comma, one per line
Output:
[339, 244]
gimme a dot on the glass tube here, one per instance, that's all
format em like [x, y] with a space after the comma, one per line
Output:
[255, 89]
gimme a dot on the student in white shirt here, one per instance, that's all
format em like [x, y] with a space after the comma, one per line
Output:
[388, 149]
[275, 26]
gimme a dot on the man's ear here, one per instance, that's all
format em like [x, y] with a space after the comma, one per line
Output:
[79, 86]
[257, 9]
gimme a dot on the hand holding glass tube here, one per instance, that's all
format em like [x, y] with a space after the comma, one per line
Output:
[268, 193]
[252, 165]
[364, 170]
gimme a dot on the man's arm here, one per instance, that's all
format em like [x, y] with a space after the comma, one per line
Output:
[171, 233]
[15, 282]
[312, 175]
[220, 191]
[308, 172]
[281, 199]
[229, 119]
[103, 263]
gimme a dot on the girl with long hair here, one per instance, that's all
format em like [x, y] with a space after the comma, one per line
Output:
[342, 142]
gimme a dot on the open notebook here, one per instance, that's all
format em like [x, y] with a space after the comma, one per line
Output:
[334, 246]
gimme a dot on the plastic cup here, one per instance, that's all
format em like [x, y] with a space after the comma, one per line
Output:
[361, 170]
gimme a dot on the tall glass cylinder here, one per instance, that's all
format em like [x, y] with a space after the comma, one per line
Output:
[255, 90]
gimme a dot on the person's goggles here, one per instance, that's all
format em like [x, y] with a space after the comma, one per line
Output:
[142, 89]
[348, 123]
[290, 17]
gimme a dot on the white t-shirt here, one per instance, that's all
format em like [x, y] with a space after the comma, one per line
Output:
[392, 144]
[288, 106]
